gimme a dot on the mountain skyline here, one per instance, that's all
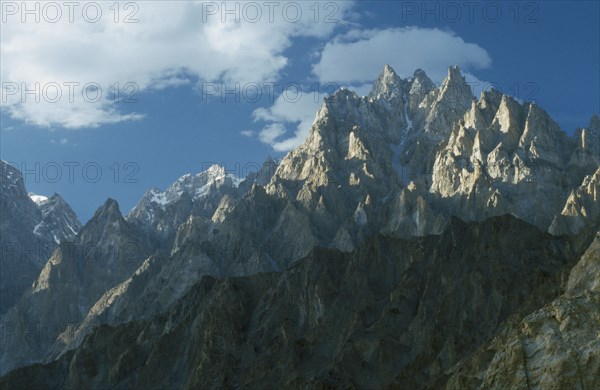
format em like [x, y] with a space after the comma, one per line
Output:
[193, 133]
[220, 172]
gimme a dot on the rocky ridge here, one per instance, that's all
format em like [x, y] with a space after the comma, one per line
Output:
[391, 312]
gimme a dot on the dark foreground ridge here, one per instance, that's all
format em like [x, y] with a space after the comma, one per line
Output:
[394, 312]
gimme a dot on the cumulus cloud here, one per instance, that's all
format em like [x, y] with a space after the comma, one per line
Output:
[167, 44]
[359, 55]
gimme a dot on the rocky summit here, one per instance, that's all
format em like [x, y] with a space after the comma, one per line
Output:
[421, 237]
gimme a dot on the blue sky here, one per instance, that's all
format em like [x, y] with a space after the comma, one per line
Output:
[179, 55]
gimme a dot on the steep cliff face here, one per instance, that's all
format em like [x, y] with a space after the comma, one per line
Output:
[391, 312]
[554, 347]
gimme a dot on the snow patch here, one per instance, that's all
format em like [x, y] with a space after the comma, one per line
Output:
[71, 228]
[158, 197]
[38, 199]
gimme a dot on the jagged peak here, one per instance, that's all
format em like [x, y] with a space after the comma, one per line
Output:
[455, 78]
[388, 85]
[387, 69]
[421, 78]
[454, 73]
[455, 90]
[107, 216]
[536, 116]
[534, 112]
[420, 85]
[109, 210]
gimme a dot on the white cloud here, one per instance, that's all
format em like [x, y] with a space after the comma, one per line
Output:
[284, 113]
[173, 43]
[359, 55]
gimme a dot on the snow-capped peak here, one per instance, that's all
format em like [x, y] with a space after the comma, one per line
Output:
[196, 186]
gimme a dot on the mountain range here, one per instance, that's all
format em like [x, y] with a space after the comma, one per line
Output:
[416, 235]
